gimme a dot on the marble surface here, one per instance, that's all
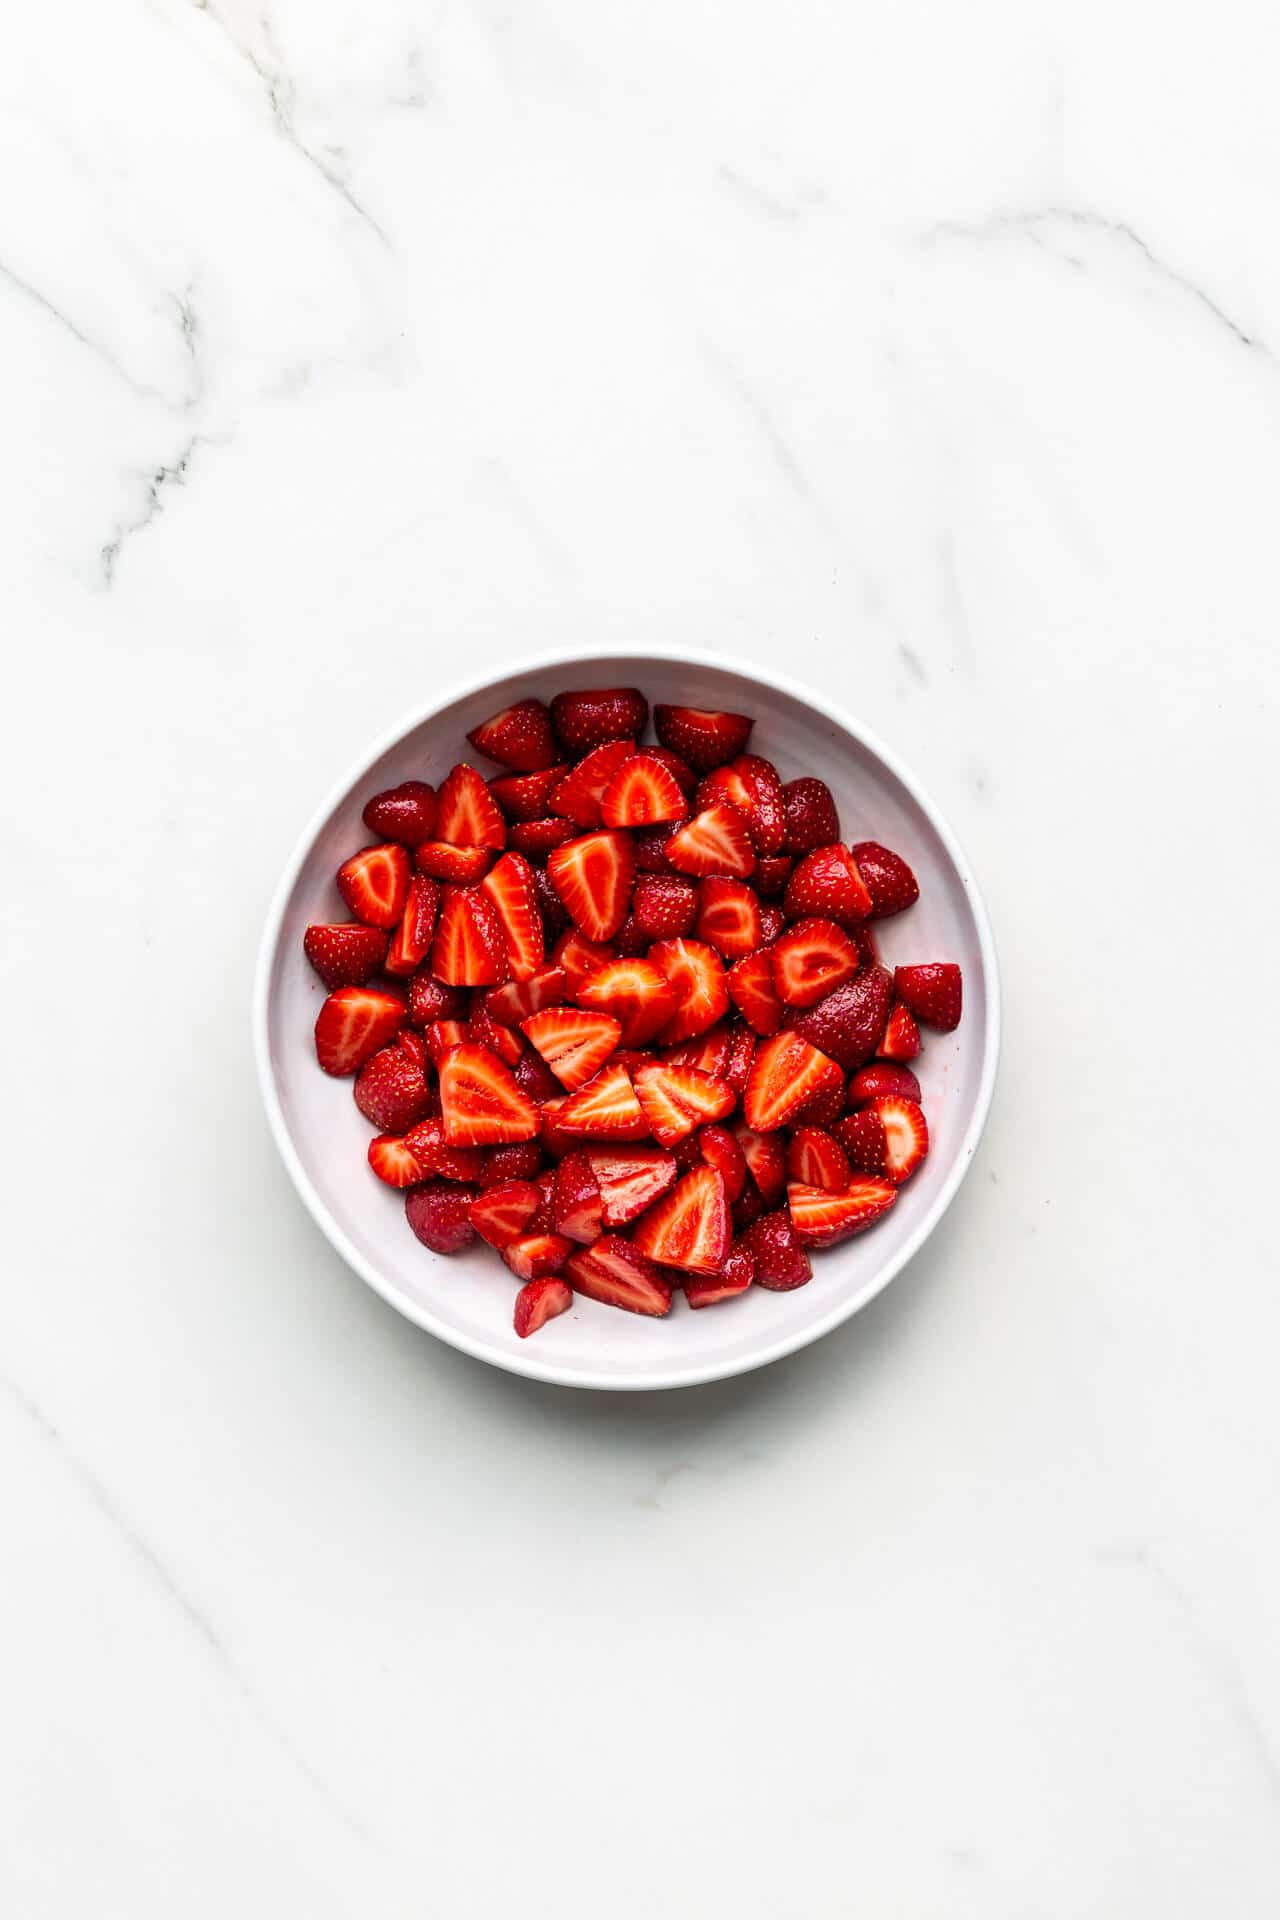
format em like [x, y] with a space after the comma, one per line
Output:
[933, 354]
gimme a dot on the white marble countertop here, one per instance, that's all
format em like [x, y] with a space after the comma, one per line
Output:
[934, 355]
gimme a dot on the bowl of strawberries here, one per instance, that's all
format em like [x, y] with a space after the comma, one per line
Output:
[641, 1004]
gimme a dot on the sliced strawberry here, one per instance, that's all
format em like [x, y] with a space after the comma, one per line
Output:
[534, 1077]
[578, 958]
[488, 1032]
[708, 1052]
[508, 888]
[751, 988]
[410, 1044]
[430, 999]
[734, 1277]
[412, 941]
[651, 848]
[642, 793]
[629, 1179]
[823, 1107]
[353, 1023]
[665, 905]
[469, 949]
[345, 954]
[574, 1042]
[468, 814]
[526, 796]
[542, 1221]
[875, 1080]
[518, 1160]
[812, 820]
[539, 1301]
[773, 923]
[704, 738]
[864, 939]
[579, 794]
[638, 995]
[811, 961]
[906, 1136]
[677, 1099]
[786, 1072]
[772, 873]
[619, 1275]
[721, 1150]
[537, 840]
[827, 882]
[406, 813]
[576, 1206]
[393, 1161]
[593, 877]
[728, 917]
[631, 940]
[766, 1160]
[849, 1022]
[816, 1160]
[514, 1002]
[714, 841]
[741, 1056]
[441, 1036]
[554, 1141]
[480, 1102]
[584, 718]
[391, 1092]
[747, 1208]
[535, 1255]
[781, 1262]
[861, 1135]
[934, 993]
[820, 1219]
[888, 878]
[500, 1214]
[550, 905]
[696, 976]
[901, 1037]
[439, 1214]
[443, 861]
[375, 884]
[752, 786]
[689, 1227]
[685, 777]
[605, 1109]
[438, 1157]
[519, 738]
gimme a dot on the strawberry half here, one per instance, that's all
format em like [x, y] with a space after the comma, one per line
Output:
[934, 993]
[488, 1032]
[728, 917]
[525, 796]
[468, 815]
[651, 848]
[875, 1080]
[720, 1149]
[439, 1216]
[689, 1227]
[696, 976]
[861, 1135]
[638, 995]
[676, 1099]
[685, 777]
[811, 817]
[848, 1024]
[532, 1256]
[539, 1301]
[906, 1136]
[578, 958]
[374, 883]
[820, 1219]
[501, 1214]
[786, 1072]
[345, 954]
[518, 1160]
[708, 1052]
[508, 888]
[443, 861]
[352, 1024]
[628, 1180]
[811, 961]
[573, 1042]
[734, 1277]
[538, 839]
[576, 1205]
[765, 1158]
[605, 1109]
[751, 989]
[480, 1103]
[888, 878]
[470, 949]
[901, 1037]
[714, 841]
[519, 738]
[665, 906]
[406, 813]
[579, 794]
[437, 1157]
[827, 882]
[391, 1092]
[619, 1275]
[781, 1263]
[741, 1056]
[441, 1036]
[701, 736]
[816, 1160]
[642, 793]
[514, 1002]
[751, 786]
[585, 717]
[412, 941]
[392, 1161]
[593, 877]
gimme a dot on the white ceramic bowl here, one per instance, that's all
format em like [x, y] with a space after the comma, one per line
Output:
[467, 1299]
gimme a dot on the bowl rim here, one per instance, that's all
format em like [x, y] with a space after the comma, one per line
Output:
[532, 1364]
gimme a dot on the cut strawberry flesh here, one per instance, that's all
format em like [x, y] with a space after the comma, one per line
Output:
[579, 795]
[605, 1109]
[539, 1301]
[470, 949]
[514, 1002]
[352, 1024]
[811, 961]
[714, 841]
[628, 1180]
[509, 889]
[695, 974]
[532, 1256]
[787, 1071]
[638, 995]
[642, 793]
[689, 1227]
[480, 1102]
[374, 883]
[820, 1219]
[619, 1275]
[501, 1214]
[728, 917]
[574, 1042]
[593, 878]
[675, 1100]
[468, 815]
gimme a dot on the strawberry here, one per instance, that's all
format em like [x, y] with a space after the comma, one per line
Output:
[532, 1256]
[688, 1227]
[554, 1140]
[887, 877]
[773, 923]
[720, 1149]
[514, 1002]
[542, 1221]
[605, 1109]
[811, 815]
[781, 1262]
[906, 1135]
[685, 777]
[391, 1092]
[406, 813]
[642, 793]
[579, 794]
[934, 993]
[440, 1216]
[864, 940]
[393, 1162]
[901, 1037]
[651, 848]
[816, 1160]
[469, 949]
[703, 738]
[538, 839]
[861, 1136]
[696, 976]
[593, 877]
[875, 1080]
[747, 1208]
[823, 1107]
[468, 814]
[734, 1277]
[708, 1052]
[827, 882]
[579, 958]
[576, 1206]
[751, 989]
[573, 1042]
[550, 906]
[587, 717]
[443, 861]
[412, 941]
[676, 1099]
[742, 1056]
[811, 961]
[488, 1032]
[629, 1179]
[665, 906]
[751, 785]
[631, 940]
[526, 796]
[508, 888]
[374, 883]
[442, 1035]
[714, 841]
[411, 1046]
[519, 738]
[519, 1160]
[765, 1158]
[539, 1301]
[849, 1022]
[430, 999]
[820, 1219]
[728, 917]
[786, 1072]
[352, 1024]
[480, 1102]
[772, 873]
[345, 954]
[534, 1077]
[615, 1272]
[437, 1157]
[638, 995]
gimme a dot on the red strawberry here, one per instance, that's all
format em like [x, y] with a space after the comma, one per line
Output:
[439, 1214]
[440, 1036]
[696, 976]
[538, 839]
[901, 1037]
[585, 718]
[520, 1160]
[708, 1052]
[391, 1092]
[642, 793]
[934, 993]
[554, 1141]
[820, 1219]
[714, 841]
[578, 958]
[765, 1158]
[345, 954]
[848, 1023]
[437, 1157]
[703, 738]
[752, 991]
[542, 1221]
[875, 1080]
[534, 1077]
[593, 877]
[550, 905]
[631, 940]
[526, 796]
[615, 1272]
[442, 861]
[579, 794]
[410, 1044]
[515, 1001]
[406, 813]
[375, 884]
[689, 1227]
[823, 1107]
[786, 1073]
[811, 815]
[539, 1301]
[488, 1032]
[519, 737]
[728, 917]
[720, 1149]
[811, 961]
[535, 1255]
[864, 940]
[827, 882]
[501, 1213]
[574, 1043]
[772, 873]
[751, 785]
[638, 995]
[781, 1262]
[605, 1109]
[665, 906]
[772, 925]
[412, 941]
[888, 878]
[430, 999]
[734, 1277]
[685, 777]
[651, 849]
[469, 949]
[747, 1208]
[393, 1162]
[742, 1056]
[906, 1136]
[352, 1024]
[468, 814]
[816, 1160]
[629, 1179]
[576, 1206]
[480, 1102]
[676, 1099]
[861, 1135]
[509, 890]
